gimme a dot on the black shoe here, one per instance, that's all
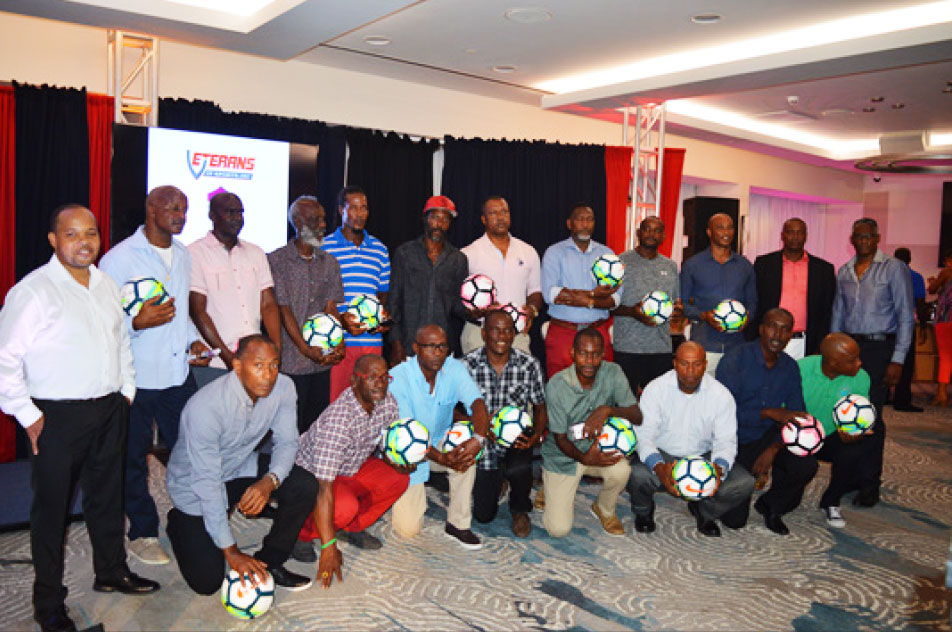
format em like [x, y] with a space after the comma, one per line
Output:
[645, 523]
[706, 527]
[127, 584]
[54, 620]
[286, 579]
[466, 538]
[771, 520]
[360, 539]
[866, 498]
[438, 481]
[303, 552]
[909, 408]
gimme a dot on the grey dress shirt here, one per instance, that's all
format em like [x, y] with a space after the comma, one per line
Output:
[219, 430]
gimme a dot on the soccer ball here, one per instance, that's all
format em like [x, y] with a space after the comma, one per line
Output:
[478, 291]
[367, 309]
[246, 602]
[137, 291]
[695, 477]
[608, 270]
[322, 331]
[617, 435]
[805, 439]
[854, 414]
[657, 306]
[458, 434]
[508, 424]
[731, 314]
[518, 316]
[405, 441]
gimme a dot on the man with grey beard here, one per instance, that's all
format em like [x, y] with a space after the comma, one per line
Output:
[306, 281]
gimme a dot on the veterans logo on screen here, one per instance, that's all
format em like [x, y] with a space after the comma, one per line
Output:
[208, 165]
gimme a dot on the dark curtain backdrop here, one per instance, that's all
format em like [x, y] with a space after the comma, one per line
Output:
[397, 174]
[205, 116]
[539, 180]
[52, 165]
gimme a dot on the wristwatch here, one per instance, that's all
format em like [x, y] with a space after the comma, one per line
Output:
[274, 479]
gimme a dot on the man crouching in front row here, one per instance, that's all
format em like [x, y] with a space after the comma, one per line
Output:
[213, 467]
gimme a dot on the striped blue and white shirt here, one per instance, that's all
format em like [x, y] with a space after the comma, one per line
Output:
[364, 269]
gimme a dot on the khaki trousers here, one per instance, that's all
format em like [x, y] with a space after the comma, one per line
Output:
[472, 339]
[408, 511]
[560, 490]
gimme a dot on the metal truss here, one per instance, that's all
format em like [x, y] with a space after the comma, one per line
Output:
[134, 77]
[644, 132]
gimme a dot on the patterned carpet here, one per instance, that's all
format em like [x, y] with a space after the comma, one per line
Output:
[885, 571]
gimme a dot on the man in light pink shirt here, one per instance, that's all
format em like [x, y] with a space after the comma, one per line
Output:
[232, 291]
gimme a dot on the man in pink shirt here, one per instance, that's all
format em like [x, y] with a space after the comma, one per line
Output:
[802, 284]
[232, 291]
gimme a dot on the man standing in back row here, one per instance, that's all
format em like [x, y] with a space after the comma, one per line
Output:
[874, 306]
[711, 276]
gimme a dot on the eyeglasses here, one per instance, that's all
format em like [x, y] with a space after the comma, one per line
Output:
[436, 346]
[383, 377]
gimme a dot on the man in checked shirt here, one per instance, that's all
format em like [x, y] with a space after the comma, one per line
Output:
[506, 377]
[355, 486]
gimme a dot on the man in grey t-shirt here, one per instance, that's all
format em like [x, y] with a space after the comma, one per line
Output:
[642, 347]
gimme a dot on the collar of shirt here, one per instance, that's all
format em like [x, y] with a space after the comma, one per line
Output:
[447, 250]
[802, 261]
[211, 241]
[236, 388]
[60, 274]
[879, 257]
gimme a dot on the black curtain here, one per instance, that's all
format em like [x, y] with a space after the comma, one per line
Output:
[397, 174]
[205, 116]
[540, 181]
[52, 165]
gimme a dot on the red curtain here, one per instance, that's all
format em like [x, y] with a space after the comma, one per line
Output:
[617, 189]
[8, 448]
[670, 193]
[99, 115]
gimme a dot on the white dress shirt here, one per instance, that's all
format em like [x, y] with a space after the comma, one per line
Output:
[60, 340]
[517, 275]
[687, 425]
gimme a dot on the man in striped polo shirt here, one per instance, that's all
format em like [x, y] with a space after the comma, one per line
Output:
[365, 269]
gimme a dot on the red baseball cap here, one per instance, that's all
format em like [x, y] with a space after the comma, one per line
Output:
[440, 202]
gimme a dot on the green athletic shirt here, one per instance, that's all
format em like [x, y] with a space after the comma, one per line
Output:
[820, 393]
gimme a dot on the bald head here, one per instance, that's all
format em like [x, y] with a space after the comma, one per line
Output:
[165, 210]
[690, 362]
[719, 218]
[840, 355]
[160, 196]
[720, 230]
[689, 349]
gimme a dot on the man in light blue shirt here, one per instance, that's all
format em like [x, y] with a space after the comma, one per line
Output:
[874, 305]
[427, 387]
[214, 468]
[162, 339]
[575, 300]
[687, 412]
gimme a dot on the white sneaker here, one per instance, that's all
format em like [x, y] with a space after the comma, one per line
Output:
[833, 516]
[148, 551]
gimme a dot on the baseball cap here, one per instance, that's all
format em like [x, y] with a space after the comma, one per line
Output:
[440, 201]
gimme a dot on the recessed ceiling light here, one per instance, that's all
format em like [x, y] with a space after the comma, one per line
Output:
[504, 68]
[836, 112]
[878, 99]
[470, 51]
[377, 40]
[898, 106]
[528, 15]
[706, 18]
[869, 109]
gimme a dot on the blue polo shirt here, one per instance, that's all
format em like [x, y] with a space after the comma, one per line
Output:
[160, 354]
[743, 370]
[364, 269]
[705, 283]
[434, 410]
[564, 265]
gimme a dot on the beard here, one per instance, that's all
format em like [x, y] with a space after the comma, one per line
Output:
[311, 238]
[583, 236]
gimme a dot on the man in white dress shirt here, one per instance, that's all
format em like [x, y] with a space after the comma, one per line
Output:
[512, 264]
[687, 412]
[66, 374]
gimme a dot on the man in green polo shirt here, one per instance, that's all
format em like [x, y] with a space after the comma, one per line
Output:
[587, 392]
[827, 378]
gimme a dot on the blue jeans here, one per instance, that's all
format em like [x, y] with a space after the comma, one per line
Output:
[164, 406]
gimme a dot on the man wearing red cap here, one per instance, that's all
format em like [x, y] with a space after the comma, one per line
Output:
[427, 273]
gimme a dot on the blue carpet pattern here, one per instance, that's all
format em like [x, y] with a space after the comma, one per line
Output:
[884, 571]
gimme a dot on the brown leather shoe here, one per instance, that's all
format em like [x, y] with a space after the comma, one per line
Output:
[539, 502]
[521, 526]
[611, 524]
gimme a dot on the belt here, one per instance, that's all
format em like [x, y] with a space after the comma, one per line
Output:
[558, 322]
[873, 337]
[799, 334]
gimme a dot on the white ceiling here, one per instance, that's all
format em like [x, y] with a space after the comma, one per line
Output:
[457, 43]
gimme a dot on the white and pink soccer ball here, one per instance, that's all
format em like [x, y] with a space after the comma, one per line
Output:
[478, 291]
[803, 439]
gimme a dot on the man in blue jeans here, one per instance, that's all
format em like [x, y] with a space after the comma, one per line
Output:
[162, 338]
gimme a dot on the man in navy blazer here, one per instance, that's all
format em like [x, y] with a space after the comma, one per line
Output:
[802, 284]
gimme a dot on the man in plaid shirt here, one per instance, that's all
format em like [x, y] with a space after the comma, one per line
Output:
[507, 377]
[355, 487]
